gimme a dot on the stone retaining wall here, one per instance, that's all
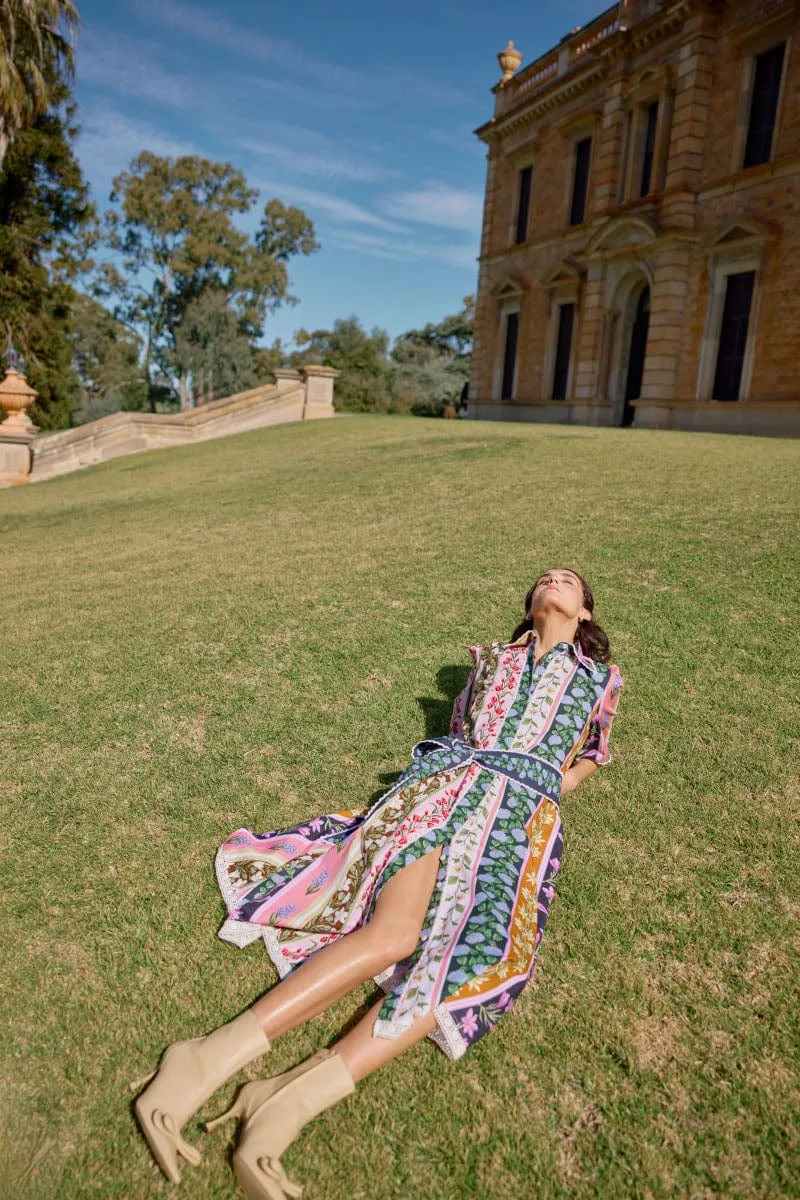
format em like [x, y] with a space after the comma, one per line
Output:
[292, 399]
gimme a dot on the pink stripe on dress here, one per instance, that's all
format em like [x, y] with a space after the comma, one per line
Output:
[454, 939]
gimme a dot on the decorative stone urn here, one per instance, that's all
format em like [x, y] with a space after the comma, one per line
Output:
[17, 431]
[509, 60]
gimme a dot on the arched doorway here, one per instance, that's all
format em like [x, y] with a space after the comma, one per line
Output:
[637, 351]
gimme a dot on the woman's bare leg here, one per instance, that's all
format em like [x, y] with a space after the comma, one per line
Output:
[364, 1053]
[390, 935]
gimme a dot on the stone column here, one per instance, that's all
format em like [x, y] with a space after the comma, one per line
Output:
[608, 156]
[286, 378]
[589, 347]
[483, 344]
[17, 431]
[668, 309]
[689, 127]
[319, 392]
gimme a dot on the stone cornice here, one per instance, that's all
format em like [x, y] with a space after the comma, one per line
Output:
[773, 12]
[577, 81]
[582, 256]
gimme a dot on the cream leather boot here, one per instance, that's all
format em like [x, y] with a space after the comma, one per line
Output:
[274, 1112]
[189, 1073]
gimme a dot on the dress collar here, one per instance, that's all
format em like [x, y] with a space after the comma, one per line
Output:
[530, 635]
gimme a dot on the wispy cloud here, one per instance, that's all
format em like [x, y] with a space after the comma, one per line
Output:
[458, 256]
[321, 161]
[109, 139]
[396, 82]
[300, 95]
[462, 141]
[373, 245]
[124, 65]
[417, 88]
[129, 66]
[437, 204]
[207, 26]
[404, 249]
[336, 208]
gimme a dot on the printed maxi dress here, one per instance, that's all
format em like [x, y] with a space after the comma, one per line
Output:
[488, 795]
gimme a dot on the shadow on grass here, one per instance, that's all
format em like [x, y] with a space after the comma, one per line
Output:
[436, 710]
[375, 993]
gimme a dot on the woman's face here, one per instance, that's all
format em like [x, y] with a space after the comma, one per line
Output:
[559, 591]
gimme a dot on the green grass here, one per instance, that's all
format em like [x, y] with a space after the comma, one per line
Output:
[257, 630]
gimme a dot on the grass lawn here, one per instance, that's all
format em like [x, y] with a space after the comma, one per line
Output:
[257, 630]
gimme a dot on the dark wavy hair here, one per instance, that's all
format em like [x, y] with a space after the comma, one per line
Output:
[592, 637]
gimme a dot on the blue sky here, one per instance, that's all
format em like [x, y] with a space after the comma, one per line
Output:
[360, 113]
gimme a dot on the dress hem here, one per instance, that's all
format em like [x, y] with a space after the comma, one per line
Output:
[272, 948]
[446, 1035]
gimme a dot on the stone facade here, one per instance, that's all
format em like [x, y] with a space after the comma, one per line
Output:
[640, 256]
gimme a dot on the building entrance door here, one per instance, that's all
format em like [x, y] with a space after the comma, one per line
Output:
[636, 357]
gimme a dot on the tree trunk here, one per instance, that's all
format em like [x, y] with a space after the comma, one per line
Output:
[5, 142]
[185, 394]
[151, 396]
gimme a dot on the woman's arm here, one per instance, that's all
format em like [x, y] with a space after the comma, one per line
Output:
[581, 770]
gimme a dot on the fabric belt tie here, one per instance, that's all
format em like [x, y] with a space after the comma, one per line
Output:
[443, 753]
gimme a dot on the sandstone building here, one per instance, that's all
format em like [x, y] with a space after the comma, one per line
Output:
[640, 256]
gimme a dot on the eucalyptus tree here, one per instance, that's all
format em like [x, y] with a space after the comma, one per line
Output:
[432, 364]
[361, 358]
[211, 348]
[107, 360]
[176, 235]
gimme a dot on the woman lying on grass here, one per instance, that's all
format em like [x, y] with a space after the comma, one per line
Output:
[440, 892]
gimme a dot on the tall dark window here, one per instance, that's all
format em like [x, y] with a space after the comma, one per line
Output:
[764, 106]
[638, 348]
[649, 148]
[733, 336]
[524, 203]
[580, 181]
[510, 355]
[566, 319]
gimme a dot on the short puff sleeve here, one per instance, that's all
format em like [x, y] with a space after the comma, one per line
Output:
[596, 745]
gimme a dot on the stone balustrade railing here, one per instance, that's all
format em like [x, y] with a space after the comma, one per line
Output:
[590, 38]
[572, 51]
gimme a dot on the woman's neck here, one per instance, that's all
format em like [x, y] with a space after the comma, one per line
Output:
[552, 629]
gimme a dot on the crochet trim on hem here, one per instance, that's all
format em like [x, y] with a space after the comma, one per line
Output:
[446, 1035]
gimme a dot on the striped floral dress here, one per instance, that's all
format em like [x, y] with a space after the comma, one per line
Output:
[488, 795]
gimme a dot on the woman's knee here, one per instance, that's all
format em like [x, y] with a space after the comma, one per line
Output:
[394, 941]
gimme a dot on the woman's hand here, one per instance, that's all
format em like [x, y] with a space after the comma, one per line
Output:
[582, 769]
